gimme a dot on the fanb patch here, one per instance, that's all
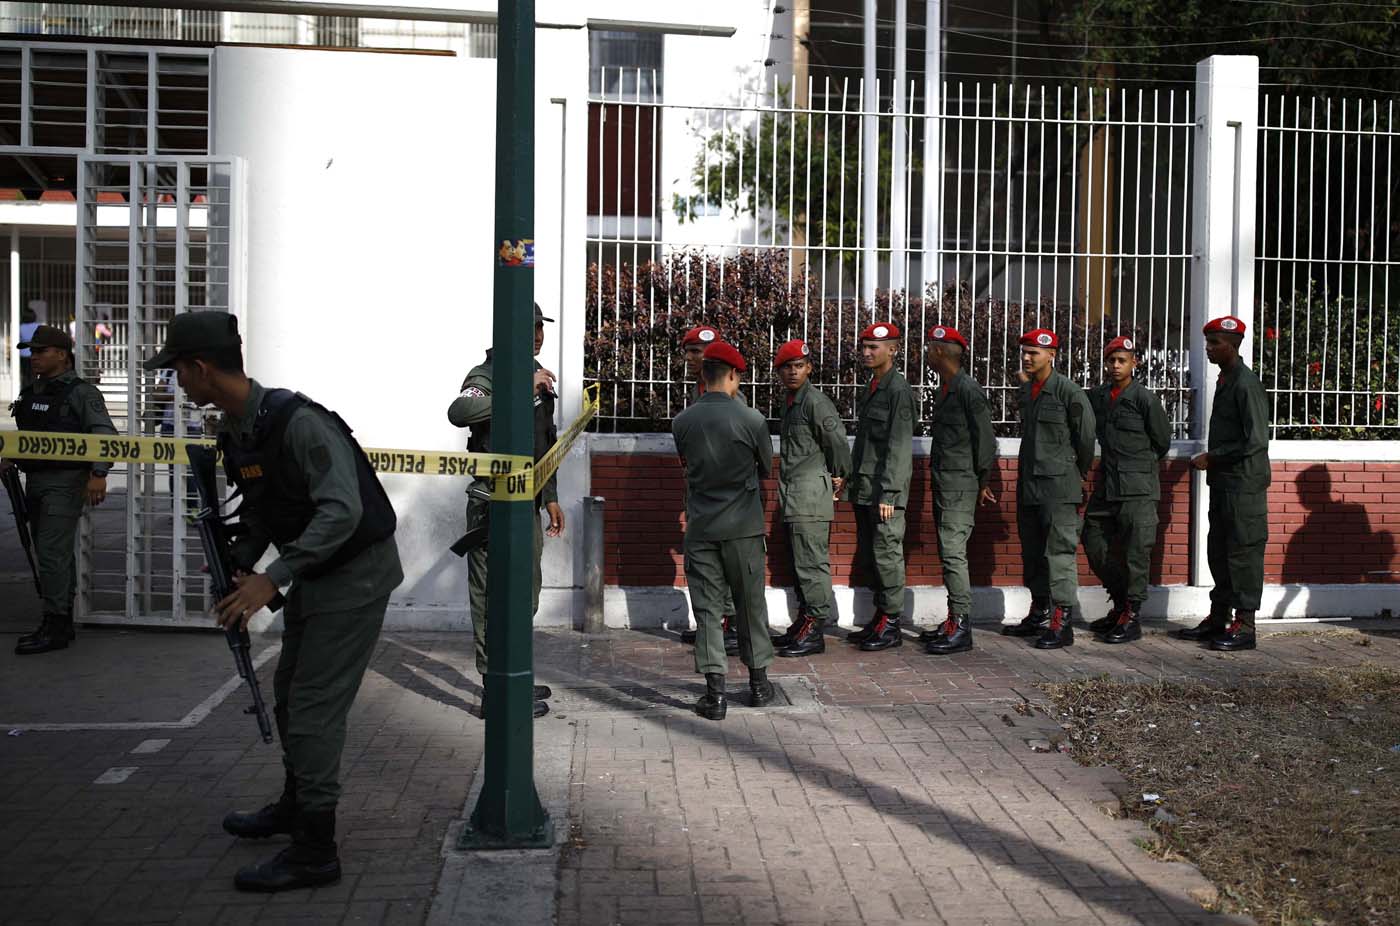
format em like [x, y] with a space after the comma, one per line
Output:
[473, 392]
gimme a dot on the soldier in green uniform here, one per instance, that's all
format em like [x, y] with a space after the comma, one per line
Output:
[57, 400]
[472, 409]
[815, 461]
[1120, 521]
[1057, 450]
[881, 466]
[693, 346]
[309, 490]
[1236, 463]
[961, 456]
[726, 451]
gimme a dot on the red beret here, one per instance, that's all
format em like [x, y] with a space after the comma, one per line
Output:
[725, 353]
[947, 335]
[1120, 343]
[1229, 324]
[1040, 337]
[881, 331]
[796, 349]
[702, 335]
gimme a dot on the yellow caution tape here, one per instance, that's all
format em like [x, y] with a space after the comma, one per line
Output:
[513, 477]
[550, 462]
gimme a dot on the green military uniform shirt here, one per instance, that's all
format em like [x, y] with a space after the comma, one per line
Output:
[85, 403]
[313, 439]
[725, 454]
[473, 406]
[1057, 442]
[1134, 435]
[1238, 441]
[963, 447]
[882, 462]
[813, 451]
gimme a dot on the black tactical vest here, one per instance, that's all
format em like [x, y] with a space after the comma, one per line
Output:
[274, 487]
[48, 411]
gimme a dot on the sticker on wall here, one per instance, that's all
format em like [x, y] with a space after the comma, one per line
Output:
[517, 252]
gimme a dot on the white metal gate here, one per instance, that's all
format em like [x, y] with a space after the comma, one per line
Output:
[157, 235]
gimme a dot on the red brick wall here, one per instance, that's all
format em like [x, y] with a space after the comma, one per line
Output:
[1329, 522]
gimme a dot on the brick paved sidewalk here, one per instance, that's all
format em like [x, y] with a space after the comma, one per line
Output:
[888, 787]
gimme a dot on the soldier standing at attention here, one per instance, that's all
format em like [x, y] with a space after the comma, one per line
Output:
[1120, 522]
[472, 409]
[309, 490]
[1057, 450]
[57, 400]
[725, 448]
[693, 346]
[881, 466]
[962, 453]
[1236, 463]
[815, 461]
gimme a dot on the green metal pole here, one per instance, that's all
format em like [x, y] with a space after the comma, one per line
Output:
[508, 813]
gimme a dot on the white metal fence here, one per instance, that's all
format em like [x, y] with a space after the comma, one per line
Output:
[1328, 270]
[1057, 207]
[100, 21]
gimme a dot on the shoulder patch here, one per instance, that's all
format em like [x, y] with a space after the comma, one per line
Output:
[473, 392]
[906, 412]
[831, 423]
[320, 458]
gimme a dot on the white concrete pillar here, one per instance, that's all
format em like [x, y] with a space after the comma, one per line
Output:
[14, 312]
[870, 166]
[930, 267]
[899, 203]
[1222, 236]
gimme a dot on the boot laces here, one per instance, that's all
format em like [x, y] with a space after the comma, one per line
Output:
[1057, 620]
[949, 626]
[1234, 627]
[1125, 617]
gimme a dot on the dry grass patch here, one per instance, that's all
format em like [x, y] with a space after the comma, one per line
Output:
[1284, 789]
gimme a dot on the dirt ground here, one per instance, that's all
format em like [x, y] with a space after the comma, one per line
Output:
[1284, 788]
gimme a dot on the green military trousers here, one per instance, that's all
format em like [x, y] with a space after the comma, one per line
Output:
[1049, 542]
[955, 511]
[55, 506]
[1239, 529]
[715, 569]
[477, 574]
[810, 543]
[323, 661]
[880, 552]
[1118, 541]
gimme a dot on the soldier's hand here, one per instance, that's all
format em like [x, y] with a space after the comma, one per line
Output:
[544, 380]
[838, 485]
[986, 497]
[886, 511]
[251, 593]
[556, 519]
[1201, 461]
[96, 489]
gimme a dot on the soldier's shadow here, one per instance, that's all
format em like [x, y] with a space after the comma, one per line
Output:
[428, 677]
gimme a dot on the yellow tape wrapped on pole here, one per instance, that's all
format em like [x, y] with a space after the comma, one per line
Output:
[511, 476]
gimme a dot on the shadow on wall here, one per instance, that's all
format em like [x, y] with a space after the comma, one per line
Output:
[1335, 543]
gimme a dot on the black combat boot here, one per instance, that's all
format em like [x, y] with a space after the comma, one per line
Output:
[956, 637]
[1208, 629]
[884, 635]
[1109, 620]
[270, 821]
[712, 704]
[938, 631]
[1238, 636]
[861, 634]
[310, 861]
[808, 641]
[56, 632]
[1032, 625]
[688, 635]
[760, 689]
[41, 630]
[1059, 632]
[1128, 627]
[783, 639]
[731, 636]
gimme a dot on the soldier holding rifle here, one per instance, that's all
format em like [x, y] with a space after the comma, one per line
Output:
[309, 490]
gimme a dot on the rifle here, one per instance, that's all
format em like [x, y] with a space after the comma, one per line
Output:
[214, 534]
[20, 506]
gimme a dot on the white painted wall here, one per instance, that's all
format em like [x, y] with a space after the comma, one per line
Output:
[369, 196]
